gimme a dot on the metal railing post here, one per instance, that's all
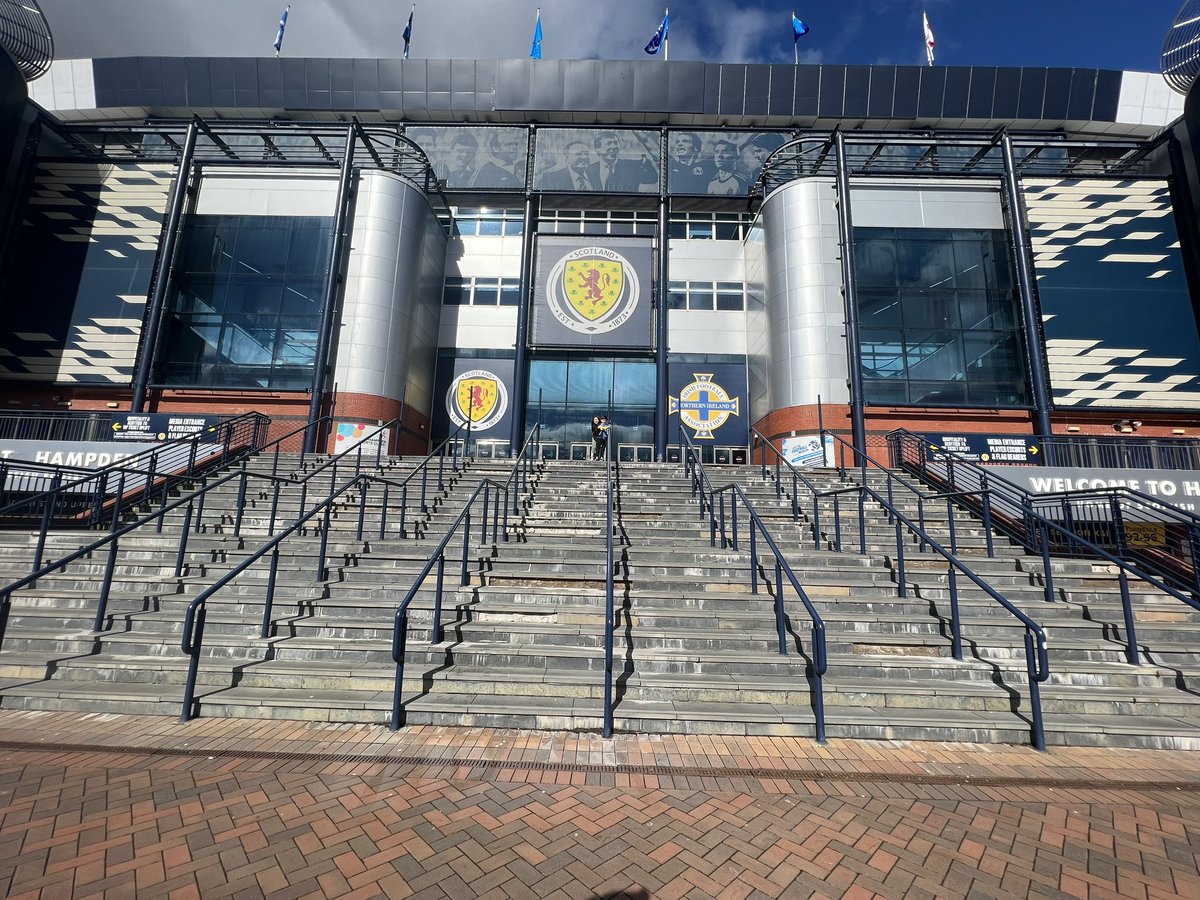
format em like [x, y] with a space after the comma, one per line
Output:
[269, 603]
[183, 539]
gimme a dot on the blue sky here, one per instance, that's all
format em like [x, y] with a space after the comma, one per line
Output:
[1084, 33]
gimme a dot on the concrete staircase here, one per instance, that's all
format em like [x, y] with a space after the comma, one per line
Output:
[523, 645]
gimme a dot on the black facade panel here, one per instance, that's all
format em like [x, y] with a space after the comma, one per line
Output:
[295, 75]
[981, 103]
[808, 91]
[781, 101]
[958, 92]
[1108, 96]
[437, 73]
[1007, 94]
[732, 101]
[712, 90]
[650, 92]
[341, 75]
[1058, 94]
[462, 76]
[1083, 94]
[908, 90]
[614, 86]
[366, 83]
[832, 99]
[685, 82]
[758, 89]
[270, 76]
[1033, 94]
[933, 92]
[389, 76]
[104, 74]
[388, 100]
[174, 81]
[223, 93]
[126, 72]
[316, 73]
[547, 93]
[858, 87]
[199, 82]
[881, 99]
[581, 87]
[150, 79]
[341, 100]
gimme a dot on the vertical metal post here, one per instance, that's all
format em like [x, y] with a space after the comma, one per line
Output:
[850, 296]
[162, 272]
[332, 283]
[661, 329]
[521, 358]
[1026, 284]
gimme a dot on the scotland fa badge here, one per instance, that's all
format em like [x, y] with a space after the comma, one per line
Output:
[593, 290]
[478, 396]
[704, 406]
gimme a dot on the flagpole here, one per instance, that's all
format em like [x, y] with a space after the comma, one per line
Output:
[795, 43]
[667, 39]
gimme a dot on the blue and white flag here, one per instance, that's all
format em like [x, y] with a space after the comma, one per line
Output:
[408, 30]
[799, 29]
[282, 25]
[660, 36]
[535, 51]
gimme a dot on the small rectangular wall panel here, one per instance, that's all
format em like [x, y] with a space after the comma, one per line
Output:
[1118, 320]
[75, 295]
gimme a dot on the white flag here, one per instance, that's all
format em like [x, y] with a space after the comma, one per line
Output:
[929, 41]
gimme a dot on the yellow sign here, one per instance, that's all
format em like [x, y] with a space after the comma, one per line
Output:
[593, 285]
[477, 398]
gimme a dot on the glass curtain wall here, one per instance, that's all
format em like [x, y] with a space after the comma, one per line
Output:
[939, 318]
[245, 306]
[571, 391]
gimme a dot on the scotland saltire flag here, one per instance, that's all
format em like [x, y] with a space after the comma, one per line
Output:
[535, 51]
[408, 30]
[799, 29]
[282, 25]
[660, 36]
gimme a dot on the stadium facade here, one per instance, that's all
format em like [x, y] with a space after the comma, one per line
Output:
[994, 250]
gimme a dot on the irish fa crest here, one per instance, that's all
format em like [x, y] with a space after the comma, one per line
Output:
[478, 396]
[704, 406]
[593, 290]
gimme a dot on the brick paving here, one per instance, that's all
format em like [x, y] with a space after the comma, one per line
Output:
[125, 806]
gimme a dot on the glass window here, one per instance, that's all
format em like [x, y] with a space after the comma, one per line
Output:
[510, 292]
[548, 380]
[731, 296]
[677, 295]
[487, 291]
[634, 384]
[700, 295]
[939, 320]
[588, 382]
[457, 291]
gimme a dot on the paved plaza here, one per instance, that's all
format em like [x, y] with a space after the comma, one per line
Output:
[124, 806]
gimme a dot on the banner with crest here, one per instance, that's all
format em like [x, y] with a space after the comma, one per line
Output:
[593, 292]
[476, 389]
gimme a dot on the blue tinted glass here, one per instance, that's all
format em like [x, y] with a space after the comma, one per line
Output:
[548, 380]
[589, 382]
[635, 387]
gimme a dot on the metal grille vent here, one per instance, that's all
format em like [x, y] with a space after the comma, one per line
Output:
[25, 34]
[1181, 49]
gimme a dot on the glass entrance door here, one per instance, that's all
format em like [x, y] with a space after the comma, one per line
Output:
[572, 390]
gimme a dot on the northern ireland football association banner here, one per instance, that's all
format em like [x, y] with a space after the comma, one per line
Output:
[593, 292]
[709, 401]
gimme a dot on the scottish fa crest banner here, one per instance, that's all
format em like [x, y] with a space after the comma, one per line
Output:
[474, 390]
[710, 402]
[592, 292]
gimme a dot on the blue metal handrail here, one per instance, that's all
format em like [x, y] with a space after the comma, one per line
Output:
[166, 465]
[694, 466]
[193, 523]
[609, 600]
[438, 558]
[1019, 517]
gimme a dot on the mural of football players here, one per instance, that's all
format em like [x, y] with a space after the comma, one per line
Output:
[576, 172]
[754, 153]
[506, 169]
[725, 180]
[612, 173]
[687, 172]
[457, 168]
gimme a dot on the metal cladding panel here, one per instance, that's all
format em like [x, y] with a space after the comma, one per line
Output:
[804, 319]
[741, 93]
[393, 290]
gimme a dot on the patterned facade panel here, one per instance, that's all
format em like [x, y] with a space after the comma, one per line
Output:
[75, 295]
[1118, 319]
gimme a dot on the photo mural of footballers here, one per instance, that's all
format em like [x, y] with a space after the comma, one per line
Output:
[610, 160]
[473, 157]
[717, 162]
